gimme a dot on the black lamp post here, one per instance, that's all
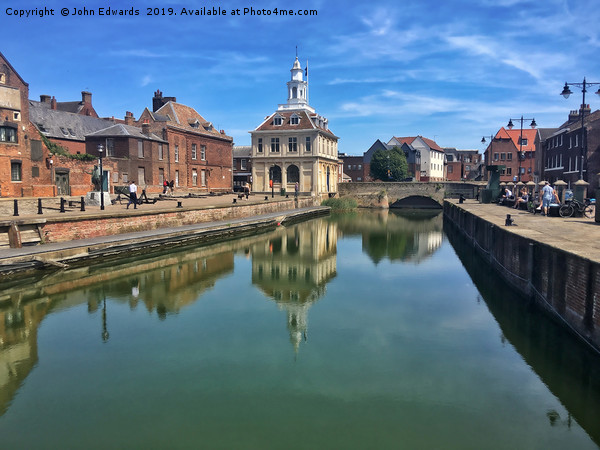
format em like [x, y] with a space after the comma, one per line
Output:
[100, 151]
[565, 93]
[521, 155]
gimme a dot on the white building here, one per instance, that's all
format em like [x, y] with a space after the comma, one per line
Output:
[294, 145]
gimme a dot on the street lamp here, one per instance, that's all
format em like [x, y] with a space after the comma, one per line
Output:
[565, 93]
[521, 155]
[271, 180]
[100, 150]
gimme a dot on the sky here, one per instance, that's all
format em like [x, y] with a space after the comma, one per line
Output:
[453, 71]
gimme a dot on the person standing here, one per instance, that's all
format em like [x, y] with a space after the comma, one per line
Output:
[548, 195]
[296, 189]
[132, 195]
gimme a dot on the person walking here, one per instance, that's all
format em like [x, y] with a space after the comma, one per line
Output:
[132, 195]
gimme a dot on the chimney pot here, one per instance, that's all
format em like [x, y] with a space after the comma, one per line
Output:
[53, 103]
[45, 98]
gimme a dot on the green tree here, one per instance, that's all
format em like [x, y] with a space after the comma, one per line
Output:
[389, 165]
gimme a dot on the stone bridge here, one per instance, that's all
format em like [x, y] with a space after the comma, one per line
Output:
[408, 194]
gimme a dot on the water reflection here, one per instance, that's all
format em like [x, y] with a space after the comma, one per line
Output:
[409, 236]
[569, 368]
[292, 267]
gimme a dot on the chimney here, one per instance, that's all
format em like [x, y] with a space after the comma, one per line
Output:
[53, 103]
[146, 127]
[45, 98]
[129, 119]
[157, 101]
[586, 109]
[86, 97]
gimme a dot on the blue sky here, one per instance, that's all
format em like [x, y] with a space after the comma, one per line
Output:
[453, 71]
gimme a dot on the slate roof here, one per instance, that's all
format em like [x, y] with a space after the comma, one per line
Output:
[576, 124]
[306, 122]
[121, 130]
[58, 124]
[242, 151]
[410, 139]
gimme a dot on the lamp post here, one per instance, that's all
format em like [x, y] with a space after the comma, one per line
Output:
[566, 93]
[100, 150]
[271, 181]
[521, 156]
[488, 160]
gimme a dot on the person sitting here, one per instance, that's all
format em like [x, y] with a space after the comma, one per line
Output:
[505, 194]
[523, 199]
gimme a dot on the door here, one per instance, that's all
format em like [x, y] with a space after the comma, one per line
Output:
[62, 183]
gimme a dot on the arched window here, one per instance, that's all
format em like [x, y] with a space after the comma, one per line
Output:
[294, 92]
[293, 174]
[275, 174]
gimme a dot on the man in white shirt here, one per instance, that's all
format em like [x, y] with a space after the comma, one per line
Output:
[132, 195]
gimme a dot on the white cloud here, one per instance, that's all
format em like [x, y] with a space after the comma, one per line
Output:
[146, 80]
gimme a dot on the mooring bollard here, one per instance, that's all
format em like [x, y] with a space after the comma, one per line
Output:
[235, 200]
[82, 204]
[266, 197]
[179, 205]
[40, 206]
[16, 208]
[62, 205]
[508, 222]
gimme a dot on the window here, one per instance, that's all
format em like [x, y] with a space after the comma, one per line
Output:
[16, 171]
[523, 141]
[308, 144]
[177, 178]
[576, 140]
[203, 177]
[194, 152]
[260, 147]
[295, 120]
[275, 145]
[467, 159]
[360, 167]
[529, 170]
[203, 152]
[467, 168]
[160, 151]
[194, 177]
[509, 157]
[509, 171]
[502, 156]
[278, 121]
[110, 147]
[161, 176]
[293, 144]
[8, 134]
[522, 170]
[125, 178]
[450, 169]
[35, 172]
[495, 156]
[243, 165]
[71, 132]
[64, 131]
[177, 153]
[140, 149]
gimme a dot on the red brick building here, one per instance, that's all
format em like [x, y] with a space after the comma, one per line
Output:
[130, 154]
[199, 157]
[507, 149]
[24, 161]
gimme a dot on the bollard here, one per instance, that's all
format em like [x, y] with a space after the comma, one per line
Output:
[62, 205]
[82, 204]
[461, 198]
[40, 206]
[16, 208]
[235, 200]
[508, 222]
[179, 205]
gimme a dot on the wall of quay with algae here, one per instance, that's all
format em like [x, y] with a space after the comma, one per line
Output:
[69, 229]
[563, 283]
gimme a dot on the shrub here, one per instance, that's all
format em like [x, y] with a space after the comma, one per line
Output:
[340, 204]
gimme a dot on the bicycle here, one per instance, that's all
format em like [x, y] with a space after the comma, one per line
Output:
[574, 206]
[533, 204]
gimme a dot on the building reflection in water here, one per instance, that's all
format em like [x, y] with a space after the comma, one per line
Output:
[293, 268]
[19, 321]
[396, 235]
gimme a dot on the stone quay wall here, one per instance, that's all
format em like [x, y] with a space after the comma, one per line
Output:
[565, 284]
[73, 228]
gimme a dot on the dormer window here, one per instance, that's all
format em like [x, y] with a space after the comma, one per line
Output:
[194, 123]
[294, 120]
[278, 120]
[64, 131]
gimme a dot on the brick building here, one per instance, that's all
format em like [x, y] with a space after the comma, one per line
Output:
[515, 154]
[130, 154]
[463, 164]
[561, 151]
[199, 157]
[24, 161]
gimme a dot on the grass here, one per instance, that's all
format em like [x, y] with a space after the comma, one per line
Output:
[340, 204]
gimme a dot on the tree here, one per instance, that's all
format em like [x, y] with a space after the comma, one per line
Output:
[389, 165]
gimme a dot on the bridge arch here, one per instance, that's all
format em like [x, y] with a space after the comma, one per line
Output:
[415, 201]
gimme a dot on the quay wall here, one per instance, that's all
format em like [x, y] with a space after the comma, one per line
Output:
[79, 227]
[565, 284]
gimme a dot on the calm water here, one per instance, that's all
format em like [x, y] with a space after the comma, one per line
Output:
[353, 331]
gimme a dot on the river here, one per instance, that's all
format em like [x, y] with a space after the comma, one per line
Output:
[358, 330]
